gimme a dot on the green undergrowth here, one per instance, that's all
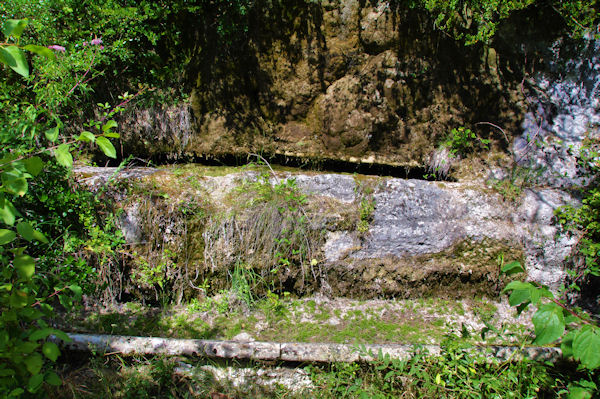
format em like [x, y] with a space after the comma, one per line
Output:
[419, 321]
[455, 373]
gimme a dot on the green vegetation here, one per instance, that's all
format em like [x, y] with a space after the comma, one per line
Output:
[463, 141]
[62, 71]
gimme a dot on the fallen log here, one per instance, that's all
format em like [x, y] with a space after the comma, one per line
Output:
[287, 351]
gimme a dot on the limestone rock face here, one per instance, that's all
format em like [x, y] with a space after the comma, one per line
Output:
[359, 236]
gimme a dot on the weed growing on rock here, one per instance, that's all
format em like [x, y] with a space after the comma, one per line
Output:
[270, 232]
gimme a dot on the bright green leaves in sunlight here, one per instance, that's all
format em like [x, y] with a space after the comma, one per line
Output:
[15, 59]
[106, 146]
[63, 155]
[12, 55]
[6, 236]
[29, 233]
[549, 323]
[8, 212]
[25, 266]
[34, 165]
[52, 134]
[512, 268]
[41, 51]
[14, 27]
[87, 137]
[586, 346]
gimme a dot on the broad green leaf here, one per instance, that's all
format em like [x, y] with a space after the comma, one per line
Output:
[579, 393]
[519, 296]
[549, 323]
[62, 336]
[75, 289]
[34, 165]
[53, 379]
[41, 51]
[25, 265]
[106, 146]
[15, 59]
[18, 299]
[39, 236]
[8, 212]
[17, 186]
[51, 351]
[109, 125]
[512, 268]
[6, 372]
[14, 27]
[29, 233]
[586, 347]
[52, 133]
[27, 347]
[87, 137]
[566, 344]
[112, 135]
[34, 363]
[35, 382]
[63, 155]
[25, 230]
[41, 334]
[6, 236]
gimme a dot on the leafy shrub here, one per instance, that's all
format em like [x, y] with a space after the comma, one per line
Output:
[463, 141]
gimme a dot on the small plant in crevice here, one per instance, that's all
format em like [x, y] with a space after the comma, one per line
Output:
[518, 179]
[463, 141]
[364, 190]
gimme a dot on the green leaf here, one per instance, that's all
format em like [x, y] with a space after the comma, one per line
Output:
[53, 379]
[566, 344]
[35, 382]
[579, 393]
[52, 133]
[586, 347]
[34, 165]
[14, 27]
[86, 136]
[62, 336]
[34, 363]
[18, 299]
[63, 155]
[75, 289]
[6, 236]
[518, 297]
[15, 59]
[549, 323]
[29, 233]
[109, 125]
[41, 334]
[112, 135]
[41, 51]
[6, 372]
[512, 268]
[25, 265]
[17, 186]
[15, 393]
[25, 230]
[39, 236]
[51, 351]
[106, 146]
[8, 212]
